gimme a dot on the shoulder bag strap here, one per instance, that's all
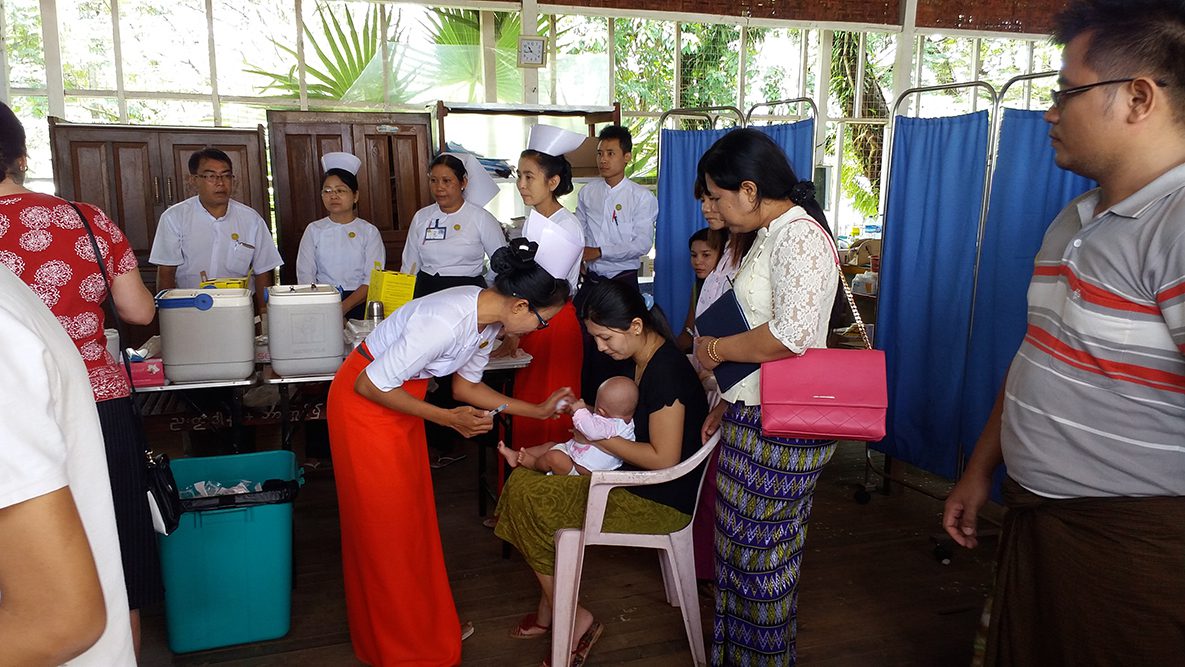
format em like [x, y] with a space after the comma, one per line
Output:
[847, 290]
[123, 355]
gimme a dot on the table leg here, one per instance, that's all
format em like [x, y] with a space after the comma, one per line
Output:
[236, 418]
[286, 428]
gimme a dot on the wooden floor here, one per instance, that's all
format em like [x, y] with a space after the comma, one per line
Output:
[872, 592]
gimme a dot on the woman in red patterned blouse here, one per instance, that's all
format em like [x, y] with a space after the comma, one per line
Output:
[45, 243]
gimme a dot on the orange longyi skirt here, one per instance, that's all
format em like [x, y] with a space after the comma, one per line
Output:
[398, 600]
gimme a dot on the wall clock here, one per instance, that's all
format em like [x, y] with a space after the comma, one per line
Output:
[532, 51]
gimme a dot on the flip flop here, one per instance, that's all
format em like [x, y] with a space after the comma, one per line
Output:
[443, 461]
[525, 627]
[466, 630]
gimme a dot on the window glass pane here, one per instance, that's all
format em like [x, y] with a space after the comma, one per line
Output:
[31, 112]
[22, 43]
[165, 49]
[171, 112]
[578, 75]
[645, 51]
[92, 110]
[250, 39]
[876, 87]
[947, 60]
[643, 165]
[442, 57]
[343, 51]
[244, 115]
[87, 44]
[710, 62]
[774, 67]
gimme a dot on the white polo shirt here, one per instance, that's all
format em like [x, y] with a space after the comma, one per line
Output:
[56, 442]
[451, 244]
[432, 336]
[339, 255]
[620, 221]
[236, 245]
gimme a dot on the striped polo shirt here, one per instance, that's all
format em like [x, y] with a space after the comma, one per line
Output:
[1095, 397]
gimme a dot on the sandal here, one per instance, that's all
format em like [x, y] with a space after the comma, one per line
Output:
[466, 630]
[528, 628]
[580, 653]
[590, 637]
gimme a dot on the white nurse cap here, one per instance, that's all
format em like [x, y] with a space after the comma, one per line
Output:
[340, 160]
[558, 251]
[481, 188]
[553, 140]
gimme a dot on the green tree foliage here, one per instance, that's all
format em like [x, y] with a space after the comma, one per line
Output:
[860, 179]
[342, 53]
[462, 28]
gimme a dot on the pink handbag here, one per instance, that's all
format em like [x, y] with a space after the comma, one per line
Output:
[827, 394]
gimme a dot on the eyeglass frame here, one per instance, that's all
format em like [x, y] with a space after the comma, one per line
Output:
[543, 324]
[214, 178]
[1058, 97]
[340, 192]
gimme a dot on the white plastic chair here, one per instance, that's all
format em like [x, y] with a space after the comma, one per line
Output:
[677, 556]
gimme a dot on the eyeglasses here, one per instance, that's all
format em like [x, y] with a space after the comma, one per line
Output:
[214, 178]
[542, 322]
[1058, 97]
[340, 192]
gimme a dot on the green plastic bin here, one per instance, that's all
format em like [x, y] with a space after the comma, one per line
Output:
[228, 572]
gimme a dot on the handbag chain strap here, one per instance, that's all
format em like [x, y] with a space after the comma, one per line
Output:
[123, 355]
[847, 290]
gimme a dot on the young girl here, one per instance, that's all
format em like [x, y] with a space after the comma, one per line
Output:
[706, 246]
[544, 175]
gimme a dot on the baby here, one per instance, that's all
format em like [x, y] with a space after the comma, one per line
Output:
[616, 399]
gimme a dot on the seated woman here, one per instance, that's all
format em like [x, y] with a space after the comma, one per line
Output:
[667, 421]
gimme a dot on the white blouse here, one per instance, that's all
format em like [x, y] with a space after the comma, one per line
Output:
[444, 339]
[788, 279]
[451, 244]
[718, 281]
[339, 255]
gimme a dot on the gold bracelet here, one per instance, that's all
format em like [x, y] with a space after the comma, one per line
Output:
[712, 354]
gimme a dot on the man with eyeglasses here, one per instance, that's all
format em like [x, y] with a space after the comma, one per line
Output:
[211, 236]
[1091, 420]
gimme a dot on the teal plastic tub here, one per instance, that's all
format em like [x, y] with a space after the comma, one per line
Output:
[228, 572]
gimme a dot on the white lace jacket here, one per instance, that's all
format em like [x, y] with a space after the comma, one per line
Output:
[788, 278]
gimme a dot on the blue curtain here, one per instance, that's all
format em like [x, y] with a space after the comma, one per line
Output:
[1028, 191]
[796, 139]
[935, 197]
[679, 213]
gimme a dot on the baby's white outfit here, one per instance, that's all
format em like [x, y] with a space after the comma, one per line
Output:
[595, 427]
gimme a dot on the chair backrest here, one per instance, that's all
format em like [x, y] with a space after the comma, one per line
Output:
[704, 453]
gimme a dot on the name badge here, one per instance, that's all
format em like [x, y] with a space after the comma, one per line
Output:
[435, 232]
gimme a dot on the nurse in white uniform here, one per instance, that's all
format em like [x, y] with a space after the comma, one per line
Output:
[341, 248]
[398, 600]
[448, 242]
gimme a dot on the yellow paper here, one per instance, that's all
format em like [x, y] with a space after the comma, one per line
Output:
[225, 283]
[392, 288]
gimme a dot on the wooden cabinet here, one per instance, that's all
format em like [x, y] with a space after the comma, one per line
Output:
[392, 181]
[135, 172]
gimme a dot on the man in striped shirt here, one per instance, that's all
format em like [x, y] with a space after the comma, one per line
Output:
[1091, 420]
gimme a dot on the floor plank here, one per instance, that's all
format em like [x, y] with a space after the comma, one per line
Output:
[872, 591]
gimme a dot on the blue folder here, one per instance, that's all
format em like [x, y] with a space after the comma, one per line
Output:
[725, 318]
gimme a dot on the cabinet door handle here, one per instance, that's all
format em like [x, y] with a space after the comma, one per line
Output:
[169, 190]
[156, 189]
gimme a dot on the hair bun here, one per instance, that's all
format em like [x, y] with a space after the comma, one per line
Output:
[517, 256]
[802, 192]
